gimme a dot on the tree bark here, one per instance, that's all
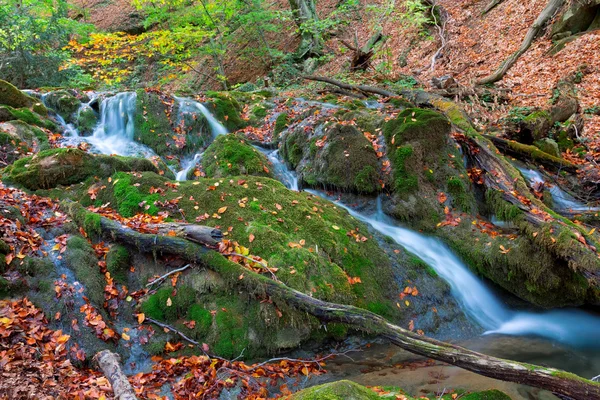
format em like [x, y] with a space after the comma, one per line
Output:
[491, 5]
[551, 379]
[361, 59]
[547, 13]
[305, 13]
[108, 362]
[204, 235]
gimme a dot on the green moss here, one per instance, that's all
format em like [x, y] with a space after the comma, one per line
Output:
[281, 124]
[64, 103]
[8, 113]
[232, 155]
[65, 166]
[86, 121]
[91, 225]
[461, 197]
[232, 330]
[203, 319]
[486, 395]
[226, 109]
[117, 263]
[152, 123]
[130, 200]
[157, 305]
[340, 390]
[536, 154]
[81, 259]
[13, 97]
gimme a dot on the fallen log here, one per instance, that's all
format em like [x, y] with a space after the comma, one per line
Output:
[558, 381]
[109, 364]
[358, 88]
[204, 235]
[532, 153]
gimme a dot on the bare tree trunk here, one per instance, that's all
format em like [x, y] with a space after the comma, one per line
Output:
[551, 379]
[108, 362]
[547, 13]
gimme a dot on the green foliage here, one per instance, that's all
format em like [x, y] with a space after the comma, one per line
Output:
[32, 36]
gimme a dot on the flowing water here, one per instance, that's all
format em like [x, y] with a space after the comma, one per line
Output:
[562, 200]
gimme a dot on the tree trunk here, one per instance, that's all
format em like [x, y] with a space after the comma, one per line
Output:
[547, 13]
[305, 14]
[545, 378]
[361, 59]
[108, 362]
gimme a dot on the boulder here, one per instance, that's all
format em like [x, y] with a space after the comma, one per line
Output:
[64, 103]
[13, 97]
[232, 155]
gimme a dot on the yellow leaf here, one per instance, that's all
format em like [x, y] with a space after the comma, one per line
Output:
[222, 210]
[169, 302]
[141, 317]
[56, 247]
[125, 336]
[305, 371]
[337, 228]
[407, 303]
[592, 231]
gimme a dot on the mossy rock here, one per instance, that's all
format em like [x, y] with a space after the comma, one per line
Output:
[344, 159]
[157, 127]
[548, 146]
[18, 139]
[81, 258]
[425, 163]
[487, 395]
[226, 108]
[13, 97]
[261, 214]
[232, 155]
[7, 113]
[86, 121]
[527, 125]
[117, 262]
[50, 168]
[281, 124]
[64, 103]
[340, 390]
[366, 120]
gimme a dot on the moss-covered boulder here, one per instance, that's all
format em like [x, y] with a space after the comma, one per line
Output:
[424, 163]
[86, 121]
[227, 109]
[313, 245]
[64, 103]
[340, 390]
[232, 155]
[336, 156]
[168, 130]
[548, 146]
[18, 139]
[8, 113]
[13, 97]
[50, 168]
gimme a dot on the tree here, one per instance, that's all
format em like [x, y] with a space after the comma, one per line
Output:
[305, 16]
[32, 35]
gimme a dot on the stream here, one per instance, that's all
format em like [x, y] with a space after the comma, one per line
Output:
[564, 338]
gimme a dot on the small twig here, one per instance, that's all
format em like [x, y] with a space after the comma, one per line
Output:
[162, 278]
[318, 360]
[184, 337]
[256, 261]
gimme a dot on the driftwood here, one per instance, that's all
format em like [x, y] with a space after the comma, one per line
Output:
[109, 364]
[551, 379]
[547, 13]
[204, 235]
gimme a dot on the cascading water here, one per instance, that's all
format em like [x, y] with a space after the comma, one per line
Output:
[562, 200]
[189, 106]
[284, 174]
[478, 300]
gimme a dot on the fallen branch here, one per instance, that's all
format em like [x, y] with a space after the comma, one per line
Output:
[547, 13]
[545, 378]
[264, 265]
[441, 27]
[162, 278]
[204, 235]
[358, 88]
[108, 362]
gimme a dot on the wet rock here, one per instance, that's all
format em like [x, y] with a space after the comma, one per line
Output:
[64, 103]
[232, 155]
[548, 146]
[86, 121]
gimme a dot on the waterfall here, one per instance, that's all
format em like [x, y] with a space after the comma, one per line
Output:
[280, 170]
[189, 106]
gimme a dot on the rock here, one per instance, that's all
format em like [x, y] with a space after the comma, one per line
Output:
[548, 146]
[340, 390]
[444, 82]
[13, 97]
[334, 155]
[8, 113]
[50, 168]
[64, 103]
[232, 155]
[86, 121]
[18, 139]
[582, 16]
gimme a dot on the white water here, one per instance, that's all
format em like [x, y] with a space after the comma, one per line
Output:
[216, 128]
[562, 200]
[281, 172]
